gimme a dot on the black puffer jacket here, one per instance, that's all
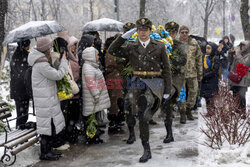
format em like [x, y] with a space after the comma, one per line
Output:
[209, 83]
[18, 66]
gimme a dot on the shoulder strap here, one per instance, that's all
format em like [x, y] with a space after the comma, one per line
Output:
[41, 59]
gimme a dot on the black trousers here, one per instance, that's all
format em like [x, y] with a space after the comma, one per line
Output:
[71, 112]
[53, 141]
[22, 110]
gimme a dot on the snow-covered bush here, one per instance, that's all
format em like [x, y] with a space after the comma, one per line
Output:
[226, 121]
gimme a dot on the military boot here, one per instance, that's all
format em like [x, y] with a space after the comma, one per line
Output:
[169, 138]
[189, 115]
[147, 153]
[131, 138]
[183, 117]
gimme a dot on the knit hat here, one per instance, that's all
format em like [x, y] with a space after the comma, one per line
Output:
[44, 44]
[184, 28]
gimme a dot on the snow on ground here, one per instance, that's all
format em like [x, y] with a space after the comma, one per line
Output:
[228, 156]
[186, 151]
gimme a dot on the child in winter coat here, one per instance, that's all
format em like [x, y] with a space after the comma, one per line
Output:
[209, 83]
[95, 95]
[49, 116]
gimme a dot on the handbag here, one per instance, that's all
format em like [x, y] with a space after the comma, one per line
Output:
[73, 84]
[233, 77]
[102, 118]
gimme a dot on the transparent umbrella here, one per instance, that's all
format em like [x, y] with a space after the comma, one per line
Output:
[31, 30]
[104, 24]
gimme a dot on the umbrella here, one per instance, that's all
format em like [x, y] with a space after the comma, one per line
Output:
[104, 24]
[201, 41]
[31, 30]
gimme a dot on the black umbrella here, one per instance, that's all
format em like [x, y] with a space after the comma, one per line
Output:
[31, 30]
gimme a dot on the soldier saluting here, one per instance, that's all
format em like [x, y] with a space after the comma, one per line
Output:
[151, 81]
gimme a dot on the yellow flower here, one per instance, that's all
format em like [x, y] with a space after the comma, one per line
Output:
[91, 134]
[160, 28]
[164, 40]
[63, 95]
[135, 35]
[153, 28]
[170, 40]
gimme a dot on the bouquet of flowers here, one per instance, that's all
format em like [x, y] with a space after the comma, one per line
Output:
[241, 70]
[159, 34]
[182, 96]
[91, 129]
[63, 89]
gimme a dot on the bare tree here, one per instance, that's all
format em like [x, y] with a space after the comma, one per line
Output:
[245, 19]
[224, 17]
[208, 6]
[43, 13]
[142, 8]
[33, 9]
[91, 10]
[3, 12]
[55, 8]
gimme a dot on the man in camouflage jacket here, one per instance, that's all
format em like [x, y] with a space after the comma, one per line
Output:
[193, 70]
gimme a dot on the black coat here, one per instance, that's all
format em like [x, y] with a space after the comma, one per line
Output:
[18, 67]
[209, 83]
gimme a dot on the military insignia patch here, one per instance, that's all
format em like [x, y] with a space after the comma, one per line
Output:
[143, 21]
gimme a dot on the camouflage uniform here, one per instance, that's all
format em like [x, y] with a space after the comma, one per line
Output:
[193, 74]
[177, 61]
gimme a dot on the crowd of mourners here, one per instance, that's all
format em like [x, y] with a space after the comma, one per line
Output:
[195, 70]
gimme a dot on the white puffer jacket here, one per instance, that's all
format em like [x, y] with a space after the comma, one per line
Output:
[44, 88]
[93, 83]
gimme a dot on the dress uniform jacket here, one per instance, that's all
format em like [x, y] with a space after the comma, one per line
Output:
[152, 59]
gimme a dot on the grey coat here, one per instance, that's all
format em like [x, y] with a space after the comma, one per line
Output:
[44, 87]
[93, 82]
[244, 58]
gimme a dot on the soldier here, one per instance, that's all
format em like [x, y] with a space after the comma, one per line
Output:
[128, 26]
[151, 79]
[193, 70]
[178, 61]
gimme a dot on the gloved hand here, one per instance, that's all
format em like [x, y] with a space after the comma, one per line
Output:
[96, 100]
[165, 96]
[165, 101]
[128, 34]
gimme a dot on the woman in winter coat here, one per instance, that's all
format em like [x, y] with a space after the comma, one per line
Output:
[18, 87]
[209, 83]
[72, 106]
[241, 88]
[95, 95]
[49, 117]
[115, 82]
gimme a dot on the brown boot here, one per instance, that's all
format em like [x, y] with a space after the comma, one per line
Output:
[189, 115]
[183, 117]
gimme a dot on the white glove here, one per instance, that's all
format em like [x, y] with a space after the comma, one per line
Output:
[165, 96]
[128, 34]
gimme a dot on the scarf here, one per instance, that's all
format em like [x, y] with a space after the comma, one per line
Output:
[207, 62]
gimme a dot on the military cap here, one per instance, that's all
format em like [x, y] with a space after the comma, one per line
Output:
[144, 23]
[128, 26]
[172, 26]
